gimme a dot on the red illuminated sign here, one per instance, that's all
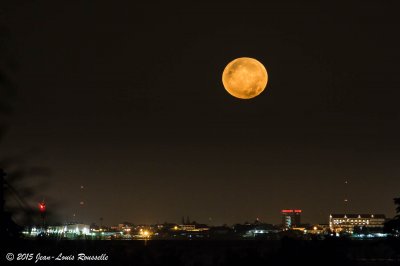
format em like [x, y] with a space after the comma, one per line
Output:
[291, 211]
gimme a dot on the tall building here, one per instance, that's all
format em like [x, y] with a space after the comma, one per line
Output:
[347, 222]
[291, 218]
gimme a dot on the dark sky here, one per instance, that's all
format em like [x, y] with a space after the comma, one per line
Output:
[126, 99]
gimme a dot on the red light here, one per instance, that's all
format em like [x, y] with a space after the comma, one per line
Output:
[291, 211]
[42, 207]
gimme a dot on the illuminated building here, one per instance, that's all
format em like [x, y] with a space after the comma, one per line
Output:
[191, 227]
[68, 231]
[291, 218]
[316, 229]
[188, 231]
[347, 222]
[187, 227]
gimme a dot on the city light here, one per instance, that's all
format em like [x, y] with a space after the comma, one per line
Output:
[42, 206]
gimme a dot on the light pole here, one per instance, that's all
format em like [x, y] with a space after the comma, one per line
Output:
[42, 210]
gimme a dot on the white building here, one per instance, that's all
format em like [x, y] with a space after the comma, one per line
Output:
[347, 222]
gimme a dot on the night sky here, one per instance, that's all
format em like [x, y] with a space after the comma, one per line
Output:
[126, 99]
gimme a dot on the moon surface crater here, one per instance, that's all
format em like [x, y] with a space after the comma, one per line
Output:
[245, 78]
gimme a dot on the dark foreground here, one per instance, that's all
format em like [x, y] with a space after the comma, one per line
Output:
[205, 252]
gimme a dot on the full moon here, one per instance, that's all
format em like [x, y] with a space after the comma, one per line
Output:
[245, 78]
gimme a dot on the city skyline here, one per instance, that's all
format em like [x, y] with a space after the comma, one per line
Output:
[124, 104]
